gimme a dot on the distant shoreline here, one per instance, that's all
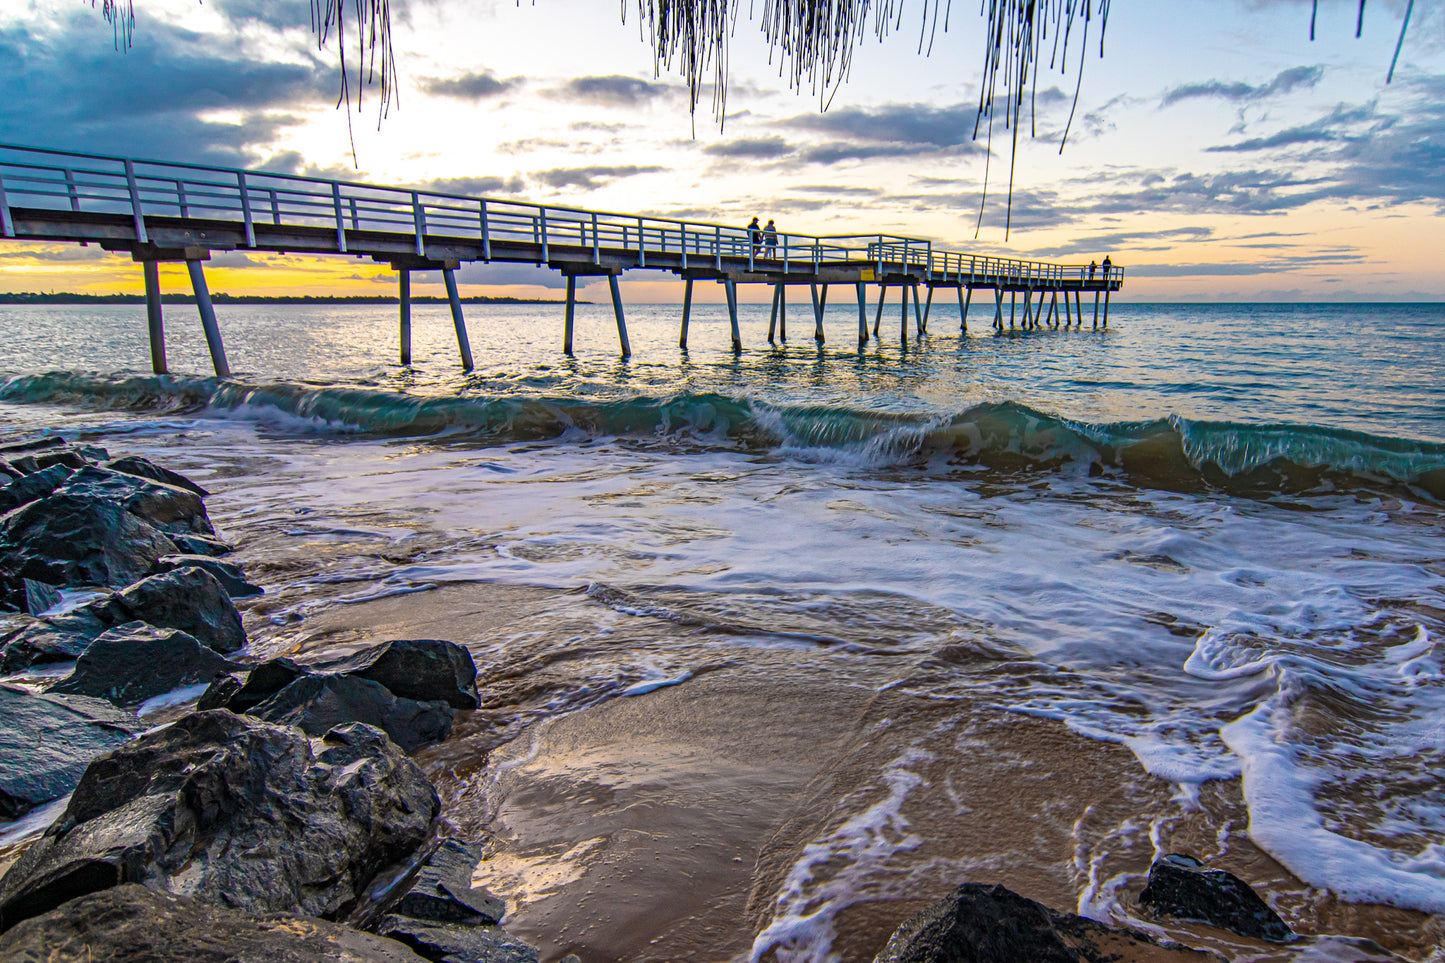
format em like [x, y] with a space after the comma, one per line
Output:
[222, 298]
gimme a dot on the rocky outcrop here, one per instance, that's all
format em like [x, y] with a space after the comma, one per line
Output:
[145, 468]
[54, 638]
[444, 919]
[229, 574]
[70, 539]
[406, 687]
[46, 742]
[318, 703]
[231, 811]
[1182, 887]
[134, 662]
[25, 489]
[442, 889]
[131, 924]
[189, 599]
[991, 924]
[166, 506]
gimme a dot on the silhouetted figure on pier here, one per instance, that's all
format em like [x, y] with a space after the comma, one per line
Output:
[1108, 266]
[1093, 267]
[755, 234]
[770, 238]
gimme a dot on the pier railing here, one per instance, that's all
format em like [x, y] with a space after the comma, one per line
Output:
[36, 178]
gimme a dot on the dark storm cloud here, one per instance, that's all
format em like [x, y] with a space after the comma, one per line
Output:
[1237, 92]
[765, 148]
[589, 177]
[471, 86]
[69, 88]
[612, 91]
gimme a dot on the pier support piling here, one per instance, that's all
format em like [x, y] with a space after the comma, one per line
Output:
[621, 319]
[1078, 309]
[1106, 307]
[783, 313]
[730, 288]
[820, 304]
[963, 304]
[1096, 310]
[570, 314]
[464, 344]
[208, 320]
[862, 314]
[917, 311]
[923, 328]
[155, 321]
[686, 313]
[773, 316]
[1053, 317]
[998, 309]
[403, 301]
[878, 316]
[903, 321]
[1013, 306]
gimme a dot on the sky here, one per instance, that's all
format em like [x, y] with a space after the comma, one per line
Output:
[1216, 151]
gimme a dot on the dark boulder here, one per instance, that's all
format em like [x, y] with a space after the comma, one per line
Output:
[229, 574]
[72, 458]
[243, 692]
[70, 539]
[421, 669]
[1181, 887]
[992, 924]
[166, 506]
[39, 597]
[144, 468]
[46, 742]
[318, 703]
[27, 488]
[12, 449]
[442, 892]
[131, 924]
[54, 638]
[134, 662]
[193, 544]
[442, 943]
[189, 599]
[233, 812]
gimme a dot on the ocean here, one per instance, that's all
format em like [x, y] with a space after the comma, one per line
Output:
[764, 622]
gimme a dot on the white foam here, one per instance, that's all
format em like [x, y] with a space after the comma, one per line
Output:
[34, 822]
[168, 699]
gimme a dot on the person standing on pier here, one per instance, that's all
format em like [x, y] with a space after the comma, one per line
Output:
[1093, 266]
[770, 238]
[1108, 266]
[755, 234]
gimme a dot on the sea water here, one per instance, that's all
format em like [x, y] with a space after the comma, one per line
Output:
[1212, 531]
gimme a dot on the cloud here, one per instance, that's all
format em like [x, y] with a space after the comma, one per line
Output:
[1246, 269]
[896, 124]
[588, 178]
[1239, 92]
[759, 147]
[482, 272]
[612, 91]
[161, 99]
[470, 86]
[475, 186]
[1117, 240]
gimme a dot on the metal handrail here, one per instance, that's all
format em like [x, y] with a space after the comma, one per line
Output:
[100, 183]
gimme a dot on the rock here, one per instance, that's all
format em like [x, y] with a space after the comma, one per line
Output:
[991, 924]
[243, 693]
[37, 444]
[131, 924]
[232, 579]
[69, 457]
[194, 544]
[441, 891]
[144, 468]
[1180, 886]
[166, 506]
[54, 638]
[134, 662]
[46, 742]
[318, 703]
[68, 539]
[27, 488]
[233, 812]
[189, 599]
[421, 669]
[442, 943]
[39, 597]
[220, 692]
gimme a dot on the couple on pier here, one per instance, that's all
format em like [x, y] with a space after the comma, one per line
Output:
[763, 237]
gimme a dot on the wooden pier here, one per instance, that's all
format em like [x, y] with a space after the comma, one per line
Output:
[160, 211]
